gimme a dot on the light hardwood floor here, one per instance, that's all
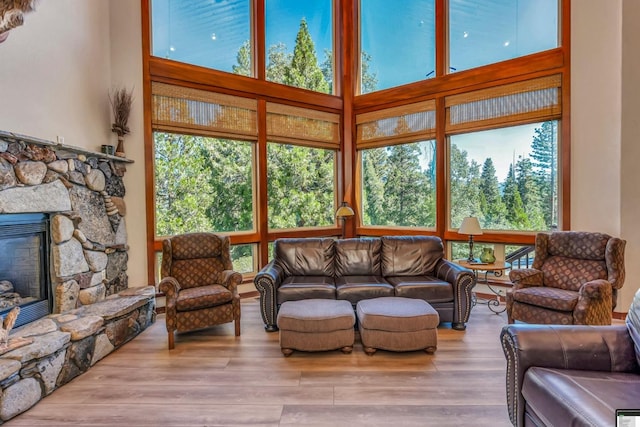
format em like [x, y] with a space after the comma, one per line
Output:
[215, 379]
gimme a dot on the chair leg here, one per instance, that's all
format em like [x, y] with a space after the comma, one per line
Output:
[171, 340]
[237, 322]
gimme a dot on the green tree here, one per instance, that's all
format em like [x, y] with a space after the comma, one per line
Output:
[544, 152]
[181, 184]
[464, 182]
[530, 193]
[374, 165]
[492, 207]
[278, 63]
[368, 80]
[243, 67]
[304, 71]
[513, 201]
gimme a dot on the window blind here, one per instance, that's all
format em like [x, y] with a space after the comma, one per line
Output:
[523, 102]
[181, 109]
[302, 126]
[396, 125]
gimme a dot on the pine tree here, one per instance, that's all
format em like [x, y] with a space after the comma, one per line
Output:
[530, 193]
[374, 172]
[464, 181]
[513, 201]
[544, 151]
[493, 208]
[243, 57]
[304, 71]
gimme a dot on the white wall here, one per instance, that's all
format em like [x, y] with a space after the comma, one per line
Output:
[630, 188]
[56, 72]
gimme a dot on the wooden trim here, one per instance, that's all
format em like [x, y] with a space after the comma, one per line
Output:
[262, 220]
[441, 169]
[619, 316]
[149, 186]
[565, 124]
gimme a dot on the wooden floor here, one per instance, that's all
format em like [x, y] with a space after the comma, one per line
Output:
[215, 379]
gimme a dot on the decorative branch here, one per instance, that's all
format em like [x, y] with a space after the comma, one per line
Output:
[12, 15]
[121, 101]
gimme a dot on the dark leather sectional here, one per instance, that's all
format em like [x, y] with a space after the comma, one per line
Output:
[572, 375]
[365, 268]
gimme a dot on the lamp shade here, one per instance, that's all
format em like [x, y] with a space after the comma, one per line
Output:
[471, 226]
[344, 210]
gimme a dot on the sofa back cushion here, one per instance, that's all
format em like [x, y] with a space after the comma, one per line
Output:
[358, 257]
[633, 324]
[410, 255]
[571, 273]
[305, 256]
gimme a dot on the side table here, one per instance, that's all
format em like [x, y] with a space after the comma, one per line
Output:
[496, 269]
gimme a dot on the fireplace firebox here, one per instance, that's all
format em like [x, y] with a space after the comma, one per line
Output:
[24, 266]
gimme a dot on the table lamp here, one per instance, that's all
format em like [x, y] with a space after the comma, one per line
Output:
[470, 226]
[342, 213]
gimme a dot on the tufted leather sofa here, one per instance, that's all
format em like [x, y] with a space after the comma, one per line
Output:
[364, 268]
[572, 375]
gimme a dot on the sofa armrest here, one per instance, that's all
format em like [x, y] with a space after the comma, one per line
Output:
[463, 280]
[595, 303]
[267, 282]
[231, 279]
[594, 348]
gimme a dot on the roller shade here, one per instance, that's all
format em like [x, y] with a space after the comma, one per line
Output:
[181, 109]
[523, 102]
[302, 126]
[396, 125]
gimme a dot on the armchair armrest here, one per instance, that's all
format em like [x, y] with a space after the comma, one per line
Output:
[463, 280]
[595, 303]
[267, 282]
[231, 279]
[594, 348]
[526, 277]
[170, 287]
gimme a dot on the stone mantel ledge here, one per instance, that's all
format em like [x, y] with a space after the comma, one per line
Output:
[67, 345]
[16, 137]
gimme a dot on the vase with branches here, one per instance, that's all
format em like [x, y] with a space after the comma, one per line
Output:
[121, 100]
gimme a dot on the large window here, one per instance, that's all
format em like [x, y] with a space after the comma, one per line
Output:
[299, 42]
[398, 185]
[202, 184]
[397, 41]
[507, 177]
[208, 33]
[301, 186]
[488, 31]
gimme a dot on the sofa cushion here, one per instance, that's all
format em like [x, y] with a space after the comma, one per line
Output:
[633, 323]
[305, 256]
[578, 244]
[410, 255]
[295, 288]
[422, 287]
[570, 397]
[358, 257]
[542, 296]
[358, 288]
[202, 297]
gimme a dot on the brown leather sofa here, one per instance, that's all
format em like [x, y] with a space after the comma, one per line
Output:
[572, 375]
[364, 268]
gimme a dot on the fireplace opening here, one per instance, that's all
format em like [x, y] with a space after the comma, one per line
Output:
[24, 266]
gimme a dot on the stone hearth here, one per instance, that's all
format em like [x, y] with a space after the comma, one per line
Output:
[94, 312]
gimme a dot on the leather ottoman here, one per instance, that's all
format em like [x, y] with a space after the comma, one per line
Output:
[397, 324]
[316, 325]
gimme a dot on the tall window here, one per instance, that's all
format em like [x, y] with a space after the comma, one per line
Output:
[398, 185]
[202, 184]
[299, 41]
[488, 31]
[203, 32]
[397, 41]
[301, 186]
[507, 177]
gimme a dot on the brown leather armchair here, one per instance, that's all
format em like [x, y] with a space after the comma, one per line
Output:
[574, 280]
[199, 283]
[572, 375]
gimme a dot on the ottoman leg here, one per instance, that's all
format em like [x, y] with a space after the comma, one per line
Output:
[287, 352]
[431, 349]
[347, 349]
[369, 351]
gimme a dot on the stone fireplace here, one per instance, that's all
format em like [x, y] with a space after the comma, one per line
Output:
[62, 218]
